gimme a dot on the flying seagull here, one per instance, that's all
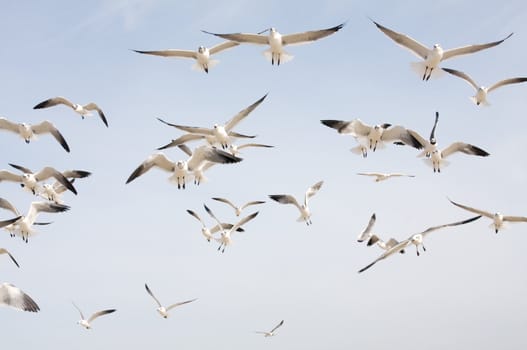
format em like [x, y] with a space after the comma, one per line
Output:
[16, 298]
[271, 333]
[209, 233]
[87, 323]
[305, 213]
[219, 133]
[373, 137]
[163, 311]
[277, 41]
[5, 251]
[202, 55]
[53, 192]
[84, 111]
[180, 169]
[29, 132]
[237, 209]
[416, 239]
[384, 176]
[372, 238]
[498, 219]
[30, 180]
[482, 91]
[432, 57]
[225, 239]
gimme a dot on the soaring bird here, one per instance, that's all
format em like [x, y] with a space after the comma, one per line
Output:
[163, 311]
[202, 55]
[86, 323]
[277, 42]
[237, 209]
[432, 57]
[30, 131]
[83, 110]
[271, 333]
[305, 212]
[209, 233]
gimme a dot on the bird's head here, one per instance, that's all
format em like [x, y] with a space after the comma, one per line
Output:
[201, 49]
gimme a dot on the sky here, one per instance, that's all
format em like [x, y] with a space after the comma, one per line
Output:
[466, 291]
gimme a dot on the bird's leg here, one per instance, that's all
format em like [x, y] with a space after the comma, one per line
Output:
[206, 69]
[424, 249]
[429, 74]
[424, 74]
[417, 250]
[278, 59]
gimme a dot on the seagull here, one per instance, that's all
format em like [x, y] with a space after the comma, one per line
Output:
[430, 146]
[373, 238]
[16, 298]
[84, 111]
[30, 180]
[482, 91]
[234, 149]
[432, 57]
[305, 213]
[180, 169]
[87, 323]
[225, 238]
[277, 41]
[271, 333]
[53, 192]
[416, 239]
[209, 233]
[373, 136]
[219, 133]
[383, 176]
[498, 218]
[202, 55]
[23, 226]
[163, 311]
[237, 209]
[5, 251]
[29, 132]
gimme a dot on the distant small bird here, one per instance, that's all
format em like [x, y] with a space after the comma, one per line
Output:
[417, 240]
[29, 132]
[219, 134]
[29, 180]
[209, 233]
[432, 57]
[271, 333]
[202, 55]
[384, 176]
[84, 111]
[5, 251]
[163, 311]
[305, 213]
[238, 210]
[498, 219]
[277, 41]
[372, 137]
[87, 323]
[482, 91]
[16, 298]
[225, 238]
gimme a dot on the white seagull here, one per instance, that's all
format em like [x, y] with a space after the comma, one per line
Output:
[24, 225]
[202, 55]
[277, 41]
[481, 91]
[219, 133]
[225, 238]
[416, 239]
[384, 176]
[237, 209]
[366, 234]
[305, 213]
[209, 233]
[53, 192]
[5, 251]
[16, 298]
[372, 238]
[84, 111]
[86, 323]
[29, 180]
[498, 219]
[432, 57]
[29, 132]
[271, 333]
[372, 137]
[163, 311]
[181, 169]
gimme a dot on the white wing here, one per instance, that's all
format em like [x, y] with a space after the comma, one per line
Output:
[285, 199]
[242, 114]
[405, 41]
[471, 48]
[311, 191]
[158, 160]
[506, 82]
[171, 53]
[464, 148]
[222, 46]
[367, 231]
[277, 326]
[47, 127]
[50, 102]
[170, 307]
[16, 298]
[243, 37]
[473, 210]
[305, 37]
[207, 153]
[463, 76]
[8, 125]
[93, 107]
[100, 313]
[224, 200]
[5, 251]
[152, 295]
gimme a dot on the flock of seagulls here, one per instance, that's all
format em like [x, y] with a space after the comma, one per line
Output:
[219, 146]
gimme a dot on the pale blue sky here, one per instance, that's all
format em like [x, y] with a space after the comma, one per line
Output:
[466, 291]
